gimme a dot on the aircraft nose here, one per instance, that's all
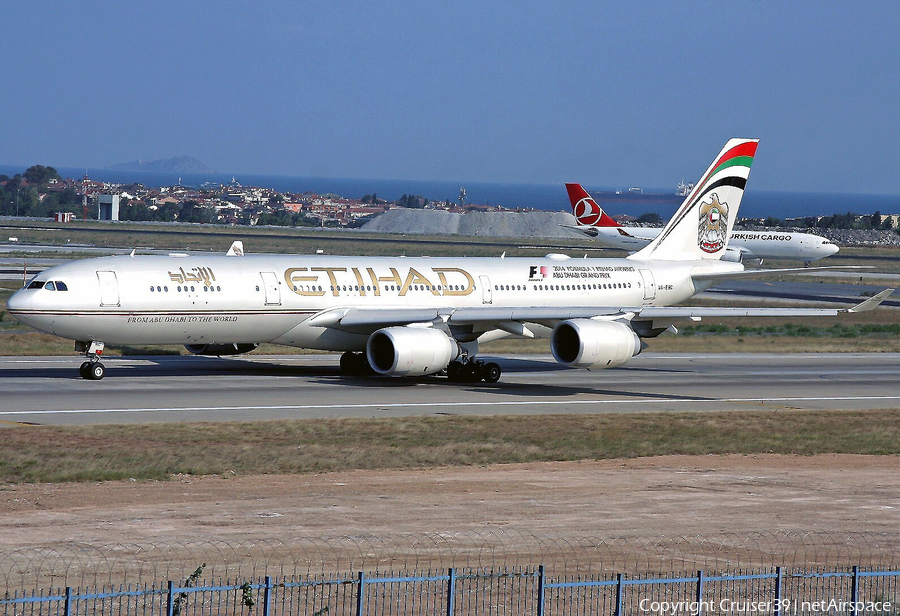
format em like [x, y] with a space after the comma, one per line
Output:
[830, 249]
[20, 300]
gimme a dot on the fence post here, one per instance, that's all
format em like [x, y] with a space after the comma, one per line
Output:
[451, 582]
[699, 593]
[540, 589]
[854, 591]
[170, 599]
[361, 584]
[777, 591]
[620, 588]
[68, 606]
[267, 596]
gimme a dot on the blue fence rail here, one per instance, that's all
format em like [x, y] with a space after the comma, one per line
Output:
[854, 591]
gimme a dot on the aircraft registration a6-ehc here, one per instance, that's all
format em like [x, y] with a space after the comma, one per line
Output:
[409, 316]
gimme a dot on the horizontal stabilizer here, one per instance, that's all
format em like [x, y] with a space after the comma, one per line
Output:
[872, 302]
[236, 250]
[752, 273]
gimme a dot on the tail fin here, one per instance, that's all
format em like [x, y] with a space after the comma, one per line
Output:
[587, 212]
[702, 225]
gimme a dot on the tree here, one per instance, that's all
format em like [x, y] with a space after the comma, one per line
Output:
[650, 218]
[39, 174]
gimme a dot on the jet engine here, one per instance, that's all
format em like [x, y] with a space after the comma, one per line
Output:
[733, 254]
[585, 343]
[220, 349]
[410, 351]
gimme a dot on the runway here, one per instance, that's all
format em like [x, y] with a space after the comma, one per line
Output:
[48, 390]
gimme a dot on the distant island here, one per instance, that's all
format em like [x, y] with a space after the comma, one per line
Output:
[179, 164]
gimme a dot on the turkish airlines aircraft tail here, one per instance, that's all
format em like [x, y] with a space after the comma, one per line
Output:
[702, 225]
[587, 211]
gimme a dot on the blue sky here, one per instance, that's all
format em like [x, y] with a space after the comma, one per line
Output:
[605, 93]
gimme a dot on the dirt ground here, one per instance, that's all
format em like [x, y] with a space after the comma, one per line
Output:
[664, 513]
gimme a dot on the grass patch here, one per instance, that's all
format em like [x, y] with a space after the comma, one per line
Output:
[159, 451]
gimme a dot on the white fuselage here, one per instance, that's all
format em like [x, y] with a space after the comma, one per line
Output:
[210, 299]
[752, 244]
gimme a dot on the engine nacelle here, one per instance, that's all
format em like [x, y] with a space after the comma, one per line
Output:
[733, 254]
[410, 351]
[585, 343]
[220, 349]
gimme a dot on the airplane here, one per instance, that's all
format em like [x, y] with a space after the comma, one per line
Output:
[742, 245]
[403, 316]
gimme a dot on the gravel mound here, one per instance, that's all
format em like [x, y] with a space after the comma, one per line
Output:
[489, 224]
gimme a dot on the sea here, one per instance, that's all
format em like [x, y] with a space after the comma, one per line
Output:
[550, 197]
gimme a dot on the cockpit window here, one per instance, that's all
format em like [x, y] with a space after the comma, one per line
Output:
[50, 286]
[61, 286]
[36, 284]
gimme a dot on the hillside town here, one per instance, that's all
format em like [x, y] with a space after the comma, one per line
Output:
[44, 194]
[41, 192]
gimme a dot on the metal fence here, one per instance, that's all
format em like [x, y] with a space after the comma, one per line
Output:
[855, 591]
[85, 565]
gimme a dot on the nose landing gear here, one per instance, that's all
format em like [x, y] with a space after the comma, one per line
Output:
[92, 369]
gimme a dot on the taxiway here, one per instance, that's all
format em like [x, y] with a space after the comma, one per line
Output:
[48, 390]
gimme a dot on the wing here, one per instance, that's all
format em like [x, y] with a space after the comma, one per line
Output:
[517, 320]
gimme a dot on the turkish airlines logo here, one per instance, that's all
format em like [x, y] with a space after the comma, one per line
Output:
[587, 212]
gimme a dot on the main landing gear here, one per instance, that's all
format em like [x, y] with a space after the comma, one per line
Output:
[473, 371]
[92, 369]
[355, 364]
[466, 371]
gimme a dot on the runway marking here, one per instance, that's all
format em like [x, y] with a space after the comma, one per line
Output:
[398, 405]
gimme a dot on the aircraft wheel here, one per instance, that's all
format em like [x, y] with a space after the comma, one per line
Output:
[348, 363]
[355, 364]
[491, 373]
[85, 370]
[469, 373]
[96, 371]
[453, 371]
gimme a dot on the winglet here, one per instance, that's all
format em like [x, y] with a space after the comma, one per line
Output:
[236, 250]
[872, 302]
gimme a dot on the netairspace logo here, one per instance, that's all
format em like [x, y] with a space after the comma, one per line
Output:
[728, 606]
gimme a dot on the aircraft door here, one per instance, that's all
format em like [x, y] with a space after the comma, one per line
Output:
[109, 288]
[649, 284]
[486, 297]
[273, 291]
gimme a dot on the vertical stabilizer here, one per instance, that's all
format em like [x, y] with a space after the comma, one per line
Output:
[587, 212]
[702, 225]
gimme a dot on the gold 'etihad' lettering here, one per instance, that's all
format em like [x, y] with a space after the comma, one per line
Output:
[442, 273]
[195, 274]
[330, 271]
[296, 282]
[414, 277]
[359, 281]
[452, 281]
